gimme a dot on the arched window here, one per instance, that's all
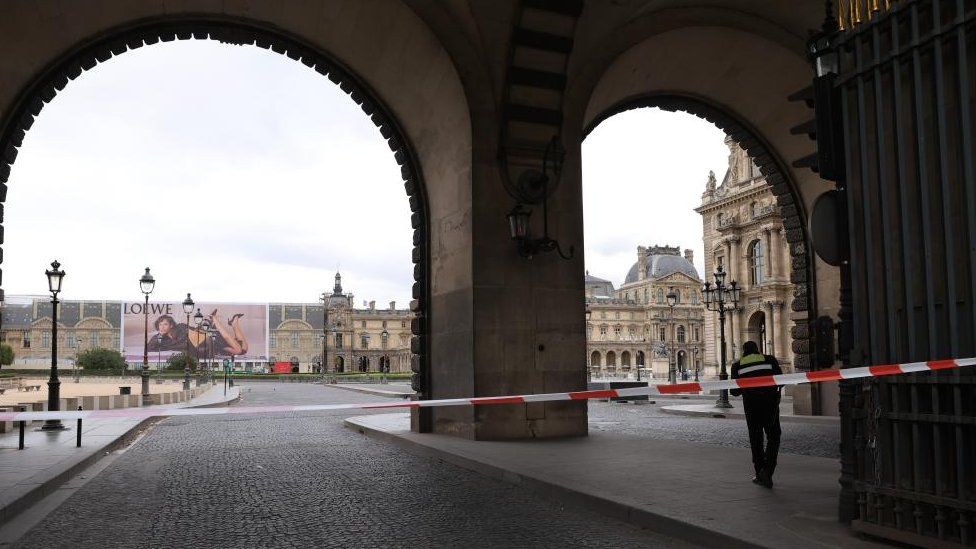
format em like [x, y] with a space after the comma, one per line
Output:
[611, 358]
[756, 262]
[677, 296]
[645, 296]
[595, 358]
[660, 295]
[694, 298]
[681, 334]
[719, 219]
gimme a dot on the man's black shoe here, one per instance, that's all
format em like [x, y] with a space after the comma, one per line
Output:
[756, 480]
[765, 480]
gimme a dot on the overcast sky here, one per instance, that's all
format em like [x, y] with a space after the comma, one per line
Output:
[240, 175]
[644, 172]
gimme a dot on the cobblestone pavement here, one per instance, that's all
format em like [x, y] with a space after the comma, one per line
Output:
[647, 420]
[303, 480]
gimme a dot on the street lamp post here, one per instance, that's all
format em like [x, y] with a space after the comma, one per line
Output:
[54, 278]
[325, 335]
[211, 341]
[187, 308]
[159, 358]
[696, 364]
[588, 313]
[384, 338]
[198, 320]
[715, 300]
[672, 360]
[146, 284]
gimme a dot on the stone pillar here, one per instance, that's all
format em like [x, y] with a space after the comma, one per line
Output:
[734, 261]
[732, 315]
[771, 320]
[784, 254]
[783, 342]
[775, 253]
[479, 281]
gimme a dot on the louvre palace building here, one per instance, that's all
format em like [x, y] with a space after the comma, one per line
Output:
[743, 232]
[369, 338]
[654, 322]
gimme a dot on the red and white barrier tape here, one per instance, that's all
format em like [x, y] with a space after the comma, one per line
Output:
[653, 390]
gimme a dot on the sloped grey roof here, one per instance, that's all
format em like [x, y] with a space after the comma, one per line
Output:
[659, 265]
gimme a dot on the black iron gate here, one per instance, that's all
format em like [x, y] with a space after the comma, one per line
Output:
[904, 92]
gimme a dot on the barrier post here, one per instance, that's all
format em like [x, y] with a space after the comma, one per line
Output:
[20, 445]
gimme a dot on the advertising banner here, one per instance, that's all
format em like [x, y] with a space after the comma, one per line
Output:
[239, 330]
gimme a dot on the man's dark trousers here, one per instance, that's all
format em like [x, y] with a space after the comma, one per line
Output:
[762, 418]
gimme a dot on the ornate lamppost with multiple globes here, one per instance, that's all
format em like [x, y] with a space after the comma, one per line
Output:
[187, 308]
[716, 299]
[146, 284]
[54, 277]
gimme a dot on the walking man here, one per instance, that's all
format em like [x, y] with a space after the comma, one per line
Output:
[761, 405]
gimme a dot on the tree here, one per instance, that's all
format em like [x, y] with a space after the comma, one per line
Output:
[100, 359]
[179, 361]
[6, 355]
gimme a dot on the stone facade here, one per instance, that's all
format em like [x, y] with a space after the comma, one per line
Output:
[633, 327]
[743, 232]
[358, 339]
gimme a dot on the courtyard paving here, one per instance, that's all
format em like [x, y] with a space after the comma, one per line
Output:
[302, 480]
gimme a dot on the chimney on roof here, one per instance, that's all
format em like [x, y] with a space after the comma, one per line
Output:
[372, 305]
[393, 305]
[641, 263]
[690, 256]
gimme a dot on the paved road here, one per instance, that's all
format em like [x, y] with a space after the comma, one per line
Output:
[647, 420]
[305, 481]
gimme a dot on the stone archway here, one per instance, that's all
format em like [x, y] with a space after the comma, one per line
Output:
[702, 61]
[756, 330]
[106, 42]
[789, 200]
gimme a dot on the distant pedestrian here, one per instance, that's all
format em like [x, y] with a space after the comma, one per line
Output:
[761, 405]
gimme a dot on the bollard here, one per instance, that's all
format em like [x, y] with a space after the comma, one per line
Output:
[78, 443]
[20, 446]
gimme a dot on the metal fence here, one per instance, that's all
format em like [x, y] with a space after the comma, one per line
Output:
[906, 88]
